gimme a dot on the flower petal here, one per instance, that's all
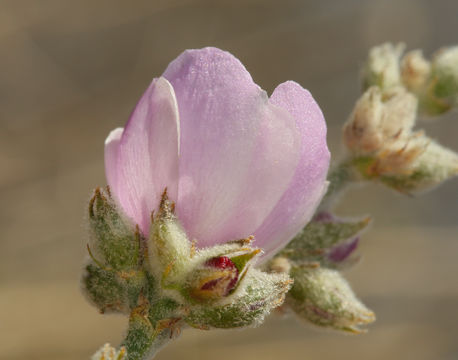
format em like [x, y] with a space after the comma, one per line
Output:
[111, 157]
[308, 185]
[238, 151]
[148, 154]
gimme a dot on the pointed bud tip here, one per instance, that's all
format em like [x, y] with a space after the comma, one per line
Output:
[166, 207]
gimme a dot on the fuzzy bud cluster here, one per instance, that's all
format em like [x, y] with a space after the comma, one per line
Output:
[434, 82]
[385, 147]
[164, 282]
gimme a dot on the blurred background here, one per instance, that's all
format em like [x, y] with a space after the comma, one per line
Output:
[73, 70]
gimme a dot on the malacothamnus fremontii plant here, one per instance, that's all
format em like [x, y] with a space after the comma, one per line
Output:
[207, 219]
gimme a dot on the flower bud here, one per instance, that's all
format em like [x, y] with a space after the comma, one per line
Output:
[433, 166]
[384, 147]
[326, 240]
[361, 133]
[379, 120]
[169, 249]
[322, 297]
[107, 352]
[382, 68]
[445, 68]
[261, 293]
[114, 241]
[218, 277]
[415, 71]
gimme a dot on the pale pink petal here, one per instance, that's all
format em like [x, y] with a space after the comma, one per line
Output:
[238, 151]
[148, 154]
[111, 157]
[308, 185]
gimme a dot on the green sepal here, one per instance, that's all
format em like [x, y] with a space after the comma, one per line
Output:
[168, 247]
[241, 261]
[115, 242]
[262, 292]
[322, 297]
[105, 289]
[112, 291]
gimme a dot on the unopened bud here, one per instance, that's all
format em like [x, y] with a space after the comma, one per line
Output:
[322, 297]
[445, 76]
[384, 147]
[261, 293]
[169, 249]
[382, 68]
[432, 167]
[219, 276]
[380, 120]
[216, 279]
[415, 71]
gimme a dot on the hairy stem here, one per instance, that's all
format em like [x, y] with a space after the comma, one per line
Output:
[144, 340]
[339, 177]
[152, 324]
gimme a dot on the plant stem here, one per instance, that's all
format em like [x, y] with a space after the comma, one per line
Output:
[152, 325]
[143, 339]
[339, 177]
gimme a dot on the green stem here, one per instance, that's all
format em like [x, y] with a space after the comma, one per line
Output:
[151, 326]
[339, 177]
[143, 339]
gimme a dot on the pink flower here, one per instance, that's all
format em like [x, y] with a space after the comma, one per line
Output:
[236, 162]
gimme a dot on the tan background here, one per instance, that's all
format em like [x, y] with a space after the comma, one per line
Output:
[70, 71]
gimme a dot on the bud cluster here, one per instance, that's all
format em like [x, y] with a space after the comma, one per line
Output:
[164, 282]
[385, 147]
[434, 82]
